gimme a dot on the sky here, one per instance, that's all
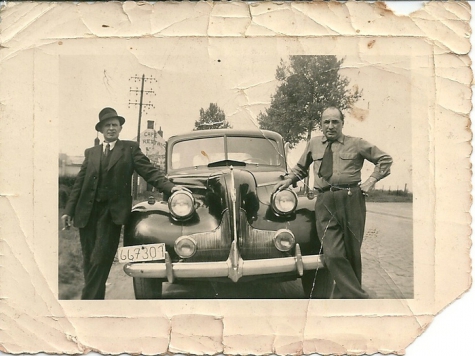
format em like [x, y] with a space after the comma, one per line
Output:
[239, 76]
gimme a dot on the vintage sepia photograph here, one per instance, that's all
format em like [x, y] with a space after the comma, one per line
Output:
[177, 181]
[232, 178]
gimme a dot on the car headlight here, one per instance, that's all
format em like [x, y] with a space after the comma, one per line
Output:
[185, 246]
[181, 205]
[284, 202]
[284, 240]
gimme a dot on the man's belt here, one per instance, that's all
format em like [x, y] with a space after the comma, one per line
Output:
[335, 188]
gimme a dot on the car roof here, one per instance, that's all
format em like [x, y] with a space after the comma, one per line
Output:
[227, 132]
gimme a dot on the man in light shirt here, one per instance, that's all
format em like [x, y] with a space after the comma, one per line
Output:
[340, 208]
[100, 200]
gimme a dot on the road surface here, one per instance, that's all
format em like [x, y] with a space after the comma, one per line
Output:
[387, 265]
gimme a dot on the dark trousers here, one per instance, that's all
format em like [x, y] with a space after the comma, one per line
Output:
[99, 242]
[340, 218]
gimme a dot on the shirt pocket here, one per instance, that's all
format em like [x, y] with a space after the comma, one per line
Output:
[317, 160]
[348, 155]
[349, 163]
[317, 156]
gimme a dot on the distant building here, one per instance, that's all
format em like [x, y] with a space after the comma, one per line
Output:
[153, 146]
[69, 166]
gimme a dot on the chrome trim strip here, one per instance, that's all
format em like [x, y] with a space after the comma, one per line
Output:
[233, 198]
[235, 263]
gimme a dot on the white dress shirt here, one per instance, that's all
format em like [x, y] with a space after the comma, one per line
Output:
[104, 144]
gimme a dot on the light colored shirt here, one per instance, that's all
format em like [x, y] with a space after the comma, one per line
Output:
[349, 154]
[112, 145]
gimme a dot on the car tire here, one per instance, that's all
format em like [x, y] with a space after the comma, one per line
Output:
[323, 284]
[148, 288]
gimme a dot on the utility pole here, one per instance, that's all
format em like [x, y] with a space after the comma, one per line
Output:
[142, 107]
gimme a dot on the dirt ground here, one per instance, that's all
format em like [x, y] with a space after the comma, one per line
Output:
[387, 265]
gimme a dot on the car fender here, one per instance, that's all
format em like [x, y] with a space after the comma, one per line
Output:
[153, 223]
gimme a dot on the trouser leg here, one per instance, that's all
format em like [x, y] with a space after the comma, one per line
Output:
[99, 241]
[95, 284]
[341, 236]
[354, 217]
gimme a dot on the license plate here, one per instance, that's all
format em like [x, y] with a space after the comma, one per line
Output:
[152, 252]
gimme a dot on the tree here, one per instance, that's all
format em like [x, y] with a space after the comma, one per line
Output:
[212, 118]
[307, 85]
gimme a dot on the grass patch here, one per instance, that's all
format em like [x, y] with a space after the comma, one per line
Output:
[70, 270]
[386, 196]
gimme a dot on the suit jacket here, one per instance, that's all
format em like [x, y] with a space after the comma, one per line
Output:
[125, 158]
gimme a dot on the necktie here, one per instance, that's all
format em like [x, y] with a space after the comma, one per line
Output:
[107, 150]
[326, 169]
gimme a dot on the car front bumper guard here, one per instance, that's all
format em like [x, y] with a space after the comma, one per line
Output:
[234, 267]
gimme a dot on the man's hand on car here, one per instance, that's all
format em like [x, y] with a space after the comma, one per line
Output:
[283, 184]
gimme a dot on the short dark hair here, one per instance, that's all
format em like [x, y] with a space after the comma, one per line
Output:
[342, 117]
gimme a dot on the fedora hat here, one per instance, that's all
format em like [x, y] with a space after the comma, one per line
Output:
[106, 114]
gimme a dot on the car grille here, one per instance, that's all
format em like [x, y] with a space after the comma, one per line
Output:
[213, 245]
[253, 243]
[258, 244]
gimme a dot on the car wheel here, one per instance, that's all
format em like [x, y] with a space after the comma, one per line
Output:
[323, 284]
[148, 288]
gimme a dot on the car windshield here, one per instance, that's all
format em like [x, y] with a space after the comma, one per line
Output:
[203, 151]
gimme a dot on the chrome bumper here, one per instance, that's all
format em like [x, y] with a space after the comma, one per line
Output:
[234, 267]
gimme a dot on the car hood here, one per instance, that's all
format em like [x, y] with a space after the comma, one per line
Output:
[218, 188]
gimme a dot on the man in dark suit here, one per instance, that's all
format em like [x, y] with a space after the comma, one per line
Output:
[101, 201]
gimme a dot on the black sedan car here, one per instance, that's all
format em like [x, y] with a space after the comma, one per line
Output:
[230, 226]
